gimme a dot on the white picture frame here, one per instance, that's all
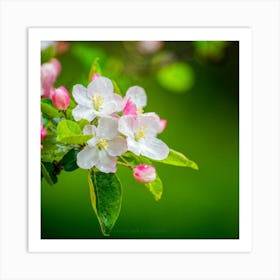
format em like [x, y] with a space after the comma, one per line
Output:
[260, 261]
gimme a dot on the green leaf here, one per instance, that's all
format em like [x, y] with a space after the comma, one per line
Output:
[95, 69]
[69, 132]
[155, 188]
[116, 88]
[178, 159]
[106, 197]
[69, 161]
[49, 110]
[135, 160]
[48, 171]
[52, 150]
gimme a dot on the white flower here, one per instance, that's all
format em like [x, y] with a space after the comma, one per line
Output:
[98, 99]
[104, 147]
[141, 132]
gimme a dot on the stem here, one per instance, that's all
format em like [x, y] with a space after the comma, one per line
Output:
[124, 163]
[64, 114]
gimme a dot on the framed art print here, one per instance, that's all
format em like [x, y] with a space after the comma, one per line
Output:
[145, 139]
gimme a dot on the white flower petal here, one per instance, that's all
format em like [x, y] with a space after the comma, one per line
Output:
[119, 102]
[106, 163]
[107, 127]
[153, 148]
[80, 95]
[108, 108]
[151, 121]
[117, 146]
[87, 158]
[138, 96]
[133, 146]
[102, 86]
[127, 125]
[91, 129]
[80, 112]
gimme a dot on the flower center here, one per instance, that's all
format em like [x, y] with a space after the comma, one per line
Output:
[102, 144]
[140, 133]
[97, 101]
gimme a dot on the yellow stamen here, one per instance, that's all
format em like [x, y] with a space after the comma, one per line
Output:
[102, 144]
[140, 133]
[97, 101]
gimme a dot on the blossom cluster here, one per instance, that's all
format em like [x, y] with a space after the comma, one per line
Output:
[117, 125]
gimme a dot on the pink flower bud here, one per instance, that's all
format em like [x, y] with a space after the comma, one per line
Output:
[95, 75]
[60, 98]
[49, 73]
[162, 125]
[130, 108]
[144, 173]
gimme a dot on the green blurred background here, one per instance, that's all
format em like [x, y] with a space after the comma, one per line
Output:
[195, 86]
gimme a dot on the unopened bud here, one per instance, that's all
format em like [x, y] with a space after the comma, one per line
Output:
[144, 173]
[60, 98]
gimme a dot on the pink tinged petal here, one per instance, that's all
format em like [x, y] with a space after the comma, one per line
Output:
[95, 75]
[154, 148]
[119, 102]
[133, 146]
[130, 108]
[151, 122]
[80, 95]
[102, 86]
[138, 96]
[107, 127]
[117, 146]
[83, 113]
[163, 124]
[106, 163]
[127, 125]
[144, 173]
[56, 65]
[87, 158]
[60, 98]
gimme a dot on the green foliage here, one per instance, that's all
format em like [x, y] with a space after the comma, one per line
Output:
[52, 150]
[69, 161]
[47, 54]
[95, 69]
[69, 132]
[48, 172]
[177, 77]
[106, 197]
[155, 188]
[178, 159]
[48, 109]
[135, 160]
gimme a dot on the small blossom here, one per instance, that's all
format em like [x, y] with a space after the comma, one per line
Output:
[60, 98]
[43, 131]
[141, 132]
[97, 100]
[102, 150]
[147, 47]
[163, 124]
[135, 96]
[95, 75]
[49, 73]
[144, 173]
